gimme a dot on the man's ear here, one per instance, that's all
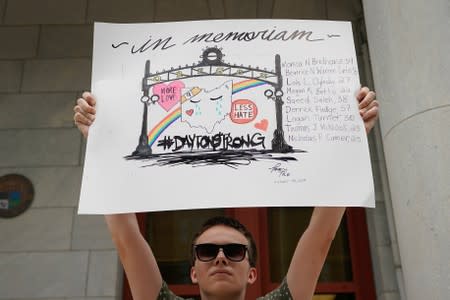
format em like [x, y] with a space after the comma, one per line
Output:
[252, 275]
[193, 276]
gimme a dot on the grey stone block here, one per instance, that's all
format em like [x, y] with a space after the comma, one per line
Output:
[380, 225]
[42, 298]
[44, 147]
[56, 75]
[372, 146]
[120, 11]
[94, 298]
[401, 282]
[41, 110]
[375, 259]
[300, 9]
[45, 12]
[265, 8]
[53, 187]
[240, 9]
[83, 151]
[346, 10]
[103, 274]
[379, 195]
[396, 254]
[66, 41]
[2, 10]
[37, 230]
[173, 10]
[43, 275]
[390, 296]
[216, 9]
[46, 298]
[91, 232]
[18, 42]
[387, 280]
[378, 167]
[10, 76]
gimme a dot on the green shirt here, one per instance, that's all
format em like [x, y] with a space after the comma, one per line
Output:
[280, 293]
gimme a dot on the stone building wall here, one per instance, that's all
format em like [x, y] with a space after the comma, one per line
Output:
[409, 44]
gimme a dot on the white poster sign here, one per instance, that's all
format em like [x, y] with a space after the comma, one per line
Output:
[232, 113]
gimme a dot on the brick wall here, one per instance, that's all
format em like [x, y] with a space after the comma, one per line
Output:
[50, 252]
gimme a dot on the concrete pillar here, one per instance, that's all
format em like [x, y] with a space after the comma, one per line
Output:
[409, 44]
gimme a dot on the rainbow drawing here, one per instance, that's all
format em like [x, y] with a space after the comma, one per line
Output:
[246, 84]
[154, 134]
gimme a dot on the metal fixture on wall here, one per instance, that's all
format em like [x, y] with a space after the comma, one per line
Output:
[16, 195]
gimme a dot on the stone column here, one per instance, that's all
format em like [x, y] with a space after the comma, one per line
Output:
[409, 42]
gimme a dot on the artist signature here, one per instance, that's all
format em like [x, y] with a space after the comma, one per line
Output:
[282, 172]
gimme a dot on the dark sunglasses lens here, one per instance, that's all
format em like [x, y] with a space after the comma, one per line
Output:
[234, 252]
[206, 252]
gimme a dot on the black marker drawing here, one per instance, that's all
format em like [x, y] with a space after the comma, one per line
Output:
[119, 44]
[197, 105]
[267, 35]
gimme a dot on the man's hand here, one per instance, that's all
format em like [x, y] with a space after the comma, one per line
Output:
[84, 113]
[368, 107]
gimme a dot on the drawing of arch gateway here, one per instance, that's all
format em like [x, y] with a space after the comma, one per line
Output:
[208, 112]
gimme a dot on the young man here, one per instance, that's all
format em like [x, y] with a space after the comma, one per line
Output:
[224, 256]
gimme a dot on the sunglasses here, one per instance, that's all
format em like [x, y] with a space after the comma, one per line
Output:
[208, 252]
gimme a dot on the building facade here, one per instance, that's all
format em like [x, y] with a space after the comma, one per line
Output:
[399, 250]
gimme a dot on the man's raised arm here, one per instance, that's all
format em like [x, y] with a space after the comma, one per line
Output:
[312, 248]
[135, 254]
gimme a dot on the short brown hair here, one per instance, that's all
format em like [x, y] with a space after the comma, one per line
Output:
[232, 223]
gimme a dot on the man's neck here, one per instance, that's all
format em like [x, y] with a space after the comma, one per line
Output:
[204, 296]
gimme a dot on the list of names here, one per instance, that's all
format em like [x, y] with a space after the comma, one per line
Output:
[319, 103]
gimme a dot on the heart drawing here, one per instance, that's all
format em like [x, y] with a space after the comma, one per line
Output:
[190, 112]
[169, 94]
[262, 125]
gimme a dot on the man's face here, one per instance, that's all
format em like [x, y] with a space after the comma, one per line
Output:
[222, 276]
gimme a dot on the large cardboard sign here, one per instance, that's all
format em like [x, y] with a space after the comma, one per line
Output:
[233, 113]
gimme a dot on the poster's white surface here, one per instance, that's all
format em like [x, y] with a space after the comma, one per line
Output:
[205, 100]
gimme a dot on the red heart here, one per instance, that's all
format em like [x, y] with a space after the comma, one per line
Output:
[190, 112]
[262, 125]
